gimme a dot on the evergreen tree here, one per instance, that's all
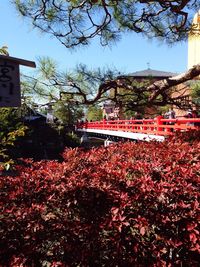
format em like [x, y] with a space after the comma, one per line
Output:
[75, 22]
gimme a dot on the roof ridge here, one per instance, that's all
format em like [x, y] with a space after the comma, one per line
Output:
[152, 72]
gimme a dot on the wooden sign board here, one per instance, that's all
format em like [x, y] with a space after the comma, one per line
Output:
[10, 93]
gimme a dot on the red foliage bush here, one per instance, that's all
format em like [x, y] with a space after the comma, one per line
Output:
[131, 204]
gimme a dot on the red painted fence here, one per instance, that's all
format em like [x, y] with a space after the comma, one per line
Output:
[157, 126]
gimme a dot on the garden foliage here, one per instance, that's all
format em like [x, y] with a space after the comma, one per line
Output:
[11, 130]
[130, 204]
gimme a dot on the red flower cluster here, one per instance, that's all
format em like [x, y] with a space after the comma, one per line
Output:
[131, 204]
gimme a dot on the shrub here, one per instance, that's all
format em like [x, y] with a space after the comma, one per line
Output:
[11, 130]
[131, 204]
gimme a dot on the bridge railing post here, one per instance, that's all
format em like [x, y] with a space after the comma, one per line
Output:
[104, 122]
[143, 125]
[117, 126]
[178, 123]
[159, 123]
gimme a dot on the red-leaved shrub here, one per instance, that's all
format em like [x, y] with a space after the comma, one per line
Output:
[131, 204]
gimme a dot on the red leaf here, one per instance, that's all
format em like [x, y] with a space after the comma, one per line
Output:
[193, 238]
[142, 230]
[114, 210]
[191, 226]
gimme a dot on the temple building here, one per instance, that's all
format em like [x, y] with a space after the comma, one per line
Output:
[111, 111]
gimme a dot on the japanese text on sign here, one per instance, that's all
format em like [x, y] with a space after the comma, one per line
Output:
[9, 84]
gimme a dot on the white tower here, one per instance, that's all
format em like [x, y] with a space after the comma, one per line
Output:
[194, 42]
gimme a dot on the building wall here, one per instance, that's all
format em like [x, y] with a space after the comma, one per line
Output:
[194, 42]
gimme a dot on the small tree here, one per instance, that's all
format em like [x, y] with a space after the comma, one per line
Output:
[67, 112]
[94, 113]
[196, 93]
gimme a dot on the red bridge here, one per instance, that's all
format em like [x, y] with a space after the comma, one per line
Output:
[146, 129]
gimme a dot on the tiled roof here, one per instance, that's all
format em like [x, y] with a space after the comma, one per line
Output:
[152, 73]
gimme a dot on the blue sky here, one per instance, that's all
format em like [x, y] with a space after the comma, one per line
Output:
[131, 54]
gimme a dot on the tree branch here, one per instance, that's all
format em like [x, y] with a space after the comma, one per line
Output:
[161, 86]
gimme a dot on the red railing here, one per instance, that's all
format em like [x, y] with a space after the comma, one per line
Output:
[156, 126]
